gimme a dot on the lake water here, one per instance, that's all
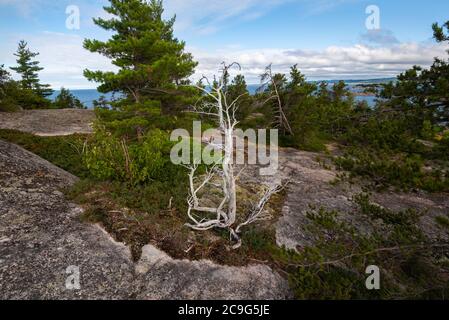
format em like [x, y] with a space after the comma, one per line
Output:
[87, 96]
[371, 100]
[350, 84]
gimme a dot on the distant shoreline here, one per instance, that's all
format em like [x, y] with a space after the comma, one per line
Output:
[88, 96]
[254, 85]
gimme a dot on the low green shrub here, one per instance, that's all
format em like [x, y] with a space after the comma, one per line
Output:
[399, 170]
[64, 152]
[443, 221]
[334, 266]
[110, 158]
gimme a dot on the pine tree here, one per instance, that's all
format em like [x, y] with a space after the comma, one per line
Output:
[151, 61]
[238, 86]
[238, 89]
[420, 94]
[4, 75]
[8, 91]
[296, 78]
[66, 100]
[4, 78]
[28, 70]
[297, 88]
[438, 32]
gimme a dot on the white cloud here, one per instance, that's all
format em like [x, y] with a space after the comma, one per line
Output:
[379, 37]
[335, 62]
[208, 16]
[63, 58]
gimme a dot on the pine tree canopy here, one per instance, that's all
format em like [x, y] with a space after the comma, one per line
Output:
[149, 57]
[4, 75]
[438, 32]
[423, 93]
[66, 100]
[28, 69]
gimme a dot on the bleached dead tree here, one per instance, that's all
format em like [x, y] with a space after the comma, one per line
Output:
[224, 215]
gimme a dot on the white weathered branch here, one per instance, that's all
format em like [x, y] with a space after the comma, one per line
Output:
[223, 216]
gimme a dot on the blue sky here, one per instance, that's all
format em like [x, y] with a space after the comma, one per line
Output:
[327, 38]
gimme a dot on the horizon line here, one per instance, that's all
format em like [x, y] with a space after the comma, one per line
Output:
[258, 84]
